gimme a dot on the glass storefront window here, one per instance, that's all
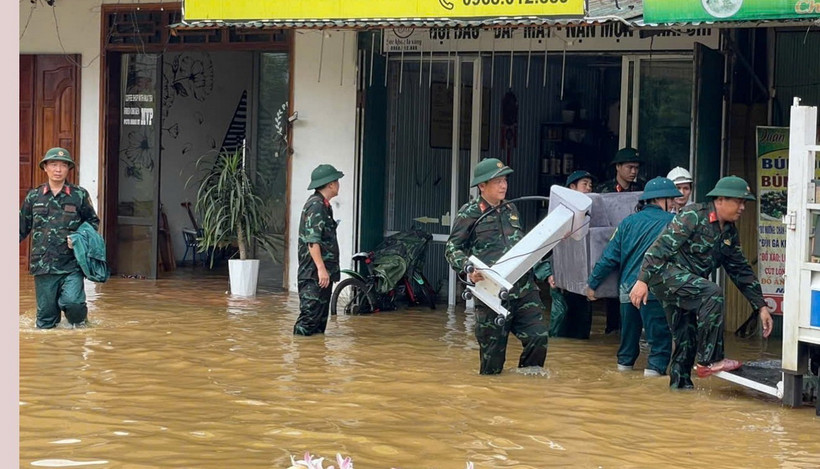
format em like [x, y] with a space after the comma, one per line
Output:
[138, 164]
[664, 121]
[272, 140]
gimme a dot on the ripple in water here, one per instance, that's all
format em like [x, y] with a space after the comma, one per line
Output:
[66, 463]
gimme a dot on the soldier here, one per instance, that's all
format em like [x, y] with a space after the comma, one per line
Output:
[701, 238]
[488, 240]
[626, 179]
[625, 251]
[570, 313]
[683, 181]
[318, 252]
[52, 212]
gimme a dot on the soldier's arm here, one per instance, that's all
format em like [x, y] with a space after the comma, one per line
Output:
[88, 214]
[25, 218]
[456, 249]
[609, 261]
[668, 243]
[741, 273]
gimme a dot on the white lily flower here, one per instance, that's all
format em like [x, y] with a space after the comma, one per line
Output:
[344, 463]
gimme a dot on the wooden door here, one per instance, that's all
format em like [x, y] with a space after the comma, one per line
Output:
[49, 117]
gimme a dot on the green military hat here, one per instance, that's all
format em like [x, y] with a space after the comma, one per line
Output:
[626, 155]
[578, 175]
[57, 154]
[323, 174]
[660, 188]
[732, 186]
[487, 169]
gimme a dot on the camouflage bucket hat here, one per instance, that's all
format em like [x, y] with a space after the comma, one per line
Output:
[626, 155]
[660, 188]
[57, 154]
[323, 174]
[487, 169]
[732, 186]
[578, 175]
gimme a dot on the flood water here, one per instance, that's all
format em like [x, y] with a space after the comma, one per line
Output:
[175, 373]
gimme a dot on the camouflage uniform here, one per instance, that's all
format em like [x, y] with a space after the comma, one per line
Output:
[316, 226]
[570, 313]
[58, 280]
[489, 240]
[625, 250]
[676, 268]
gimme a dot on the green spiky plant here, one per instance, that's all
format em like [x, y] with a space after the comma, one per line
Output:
[231, 209]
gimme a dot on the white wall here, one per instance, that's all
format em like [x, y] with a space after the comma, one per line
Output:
[78, 22]
[76, 30]
[325, 131]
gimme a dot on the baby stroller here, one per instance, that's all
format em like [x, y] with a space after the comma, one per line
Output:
[393, 270]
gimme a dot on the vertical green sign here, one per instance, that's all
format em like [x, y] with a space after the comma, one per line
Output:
[676, 11]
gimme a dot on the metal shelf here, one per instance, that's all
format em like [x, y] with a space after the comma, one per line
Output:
[809, 334]
[813, 266]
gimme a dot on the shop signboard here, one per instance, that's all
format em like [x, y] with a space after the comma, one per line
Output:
[681, 11]
[612, 36]
[234, 10]
[772, 188]
[772, 185]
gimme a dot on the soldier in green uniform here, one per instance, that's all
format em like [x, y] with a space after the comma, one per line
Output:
[51, 212]
[700, 238]
[627, 163]
[625, 252]
[488, 240]
[318, 252]
[570, 313]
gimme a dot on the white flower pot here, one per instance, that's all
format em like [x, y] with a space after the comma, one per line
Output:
[244, 275]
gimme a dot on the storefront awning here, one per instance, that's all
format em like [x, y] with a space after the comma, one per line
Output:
[629, 12]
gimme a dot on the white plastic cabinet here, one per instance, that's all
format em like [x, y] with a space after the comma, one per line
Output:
[802, 269]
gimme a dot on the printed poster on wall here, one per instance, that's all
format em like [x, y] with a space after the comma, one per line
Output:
[772, 185]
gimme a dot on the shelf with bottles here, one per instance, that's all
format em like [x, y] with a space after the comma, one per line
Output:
[563, 145]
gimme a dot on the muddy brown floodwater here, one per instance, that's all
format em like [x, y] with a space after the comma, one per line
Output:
[175, 373]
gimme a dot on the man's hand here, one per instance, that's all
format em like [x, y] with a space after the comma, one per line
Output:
[324, 278]
[476, 276]
[591, 294]
[766, 321]
[639, 294]
[551, 281]
[70, 243]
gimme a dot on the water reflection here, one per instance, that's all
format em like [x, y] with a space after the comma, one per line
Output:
[175, 373]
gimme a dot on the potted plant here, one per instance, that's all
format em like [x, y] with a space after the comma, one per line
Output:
[233, 212]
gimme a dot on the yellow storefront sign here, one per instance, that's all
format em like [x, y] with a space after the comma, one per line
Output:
[236, 10]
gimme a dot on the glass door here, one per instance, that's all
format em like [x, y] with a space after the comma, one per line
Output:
[432, 145]
[656, 111]
[137, 207]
